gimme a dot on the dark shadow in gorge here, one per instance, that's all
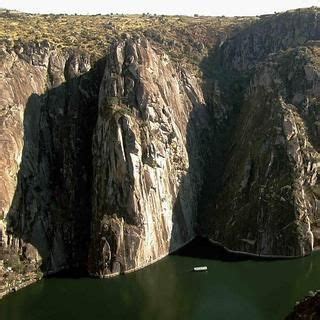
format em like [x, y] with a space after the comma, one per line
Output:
[224, 90]
[208, 142]
[198, 149]
[204, 248]
[51, 208]
[227, 71]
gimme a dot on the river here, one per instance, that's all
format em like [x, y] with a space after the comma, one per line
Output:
[169, 290]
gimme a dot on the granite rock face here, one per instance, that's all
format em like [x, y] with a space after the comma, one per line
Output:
[101, 169]
[45, 168]
[19, 80]
[146, 159]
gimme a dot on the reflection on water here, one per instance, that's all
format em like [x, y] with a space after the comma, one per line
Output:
[169, 290]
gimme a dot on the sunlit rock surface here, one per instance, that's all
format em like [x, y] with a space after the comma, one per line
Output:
[146, 159]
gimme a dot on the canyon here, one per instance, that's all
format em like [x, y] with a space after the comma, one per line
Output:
[110, 163]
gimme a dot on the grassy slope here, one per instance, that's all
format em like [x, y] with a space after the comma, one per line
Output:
[184, 38]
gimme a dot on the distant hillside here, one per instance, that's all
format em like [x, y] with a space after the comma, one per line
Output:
[183, 37]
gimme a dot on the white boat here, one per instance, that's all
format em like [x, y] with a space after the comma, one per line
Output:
[202, 268]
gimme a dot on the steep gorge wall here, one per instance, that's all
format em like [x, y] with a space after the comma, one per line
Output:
[147, 161]
[100, 163]
[109, 167]
[47, 113]
[267, 200]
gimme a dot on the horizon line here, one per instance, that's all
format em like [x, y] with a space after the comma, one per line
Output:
[149, 13]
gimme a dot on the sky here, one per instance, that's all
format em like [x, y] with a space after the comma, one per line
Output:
[181, 7]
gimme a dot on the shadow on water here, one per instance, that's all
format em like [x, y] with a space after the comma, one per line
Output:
[51, 207]
[168, 290]
[204, 248]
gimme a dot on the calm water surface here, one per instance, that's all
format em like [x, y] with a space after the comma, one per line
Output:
[168, 290]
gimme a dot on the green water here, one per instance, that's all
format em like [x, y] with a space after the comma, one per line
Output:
[168, 290]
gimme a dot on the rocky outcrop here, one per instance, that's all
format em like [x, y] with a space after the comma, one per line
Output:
[146, 159]
[307, 308]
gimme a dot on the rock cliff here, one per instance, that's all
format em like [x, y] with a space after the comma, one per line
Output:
[47, 113]
[109, 165]
[266, 201]
[102, 169]
[146, 159]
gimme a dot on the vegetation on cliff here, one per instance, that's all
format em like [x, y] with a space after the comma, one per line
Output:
[184, 38]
